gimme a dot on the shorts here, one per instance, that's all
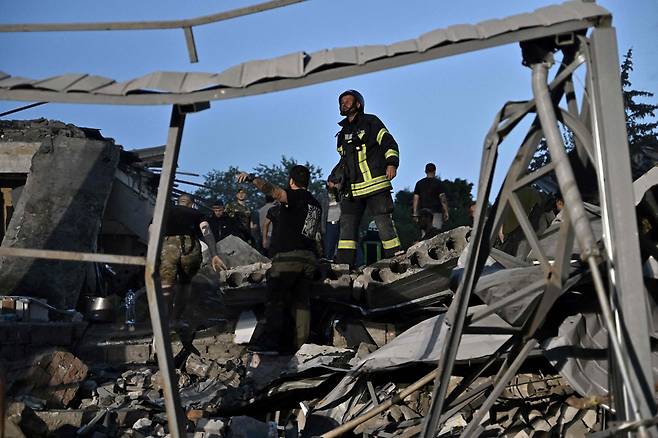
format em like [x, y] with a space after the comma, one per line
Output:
[180, 259]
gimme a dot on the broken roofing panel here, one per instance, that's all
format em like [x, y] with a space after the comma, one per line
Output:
[300, 64]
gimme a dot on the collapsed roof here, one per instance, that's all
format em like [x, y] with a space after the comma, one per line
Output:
[300, 68]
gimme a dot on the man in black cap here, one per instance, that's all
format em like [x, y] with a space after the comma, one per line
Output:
[223, 225]
[289, 281]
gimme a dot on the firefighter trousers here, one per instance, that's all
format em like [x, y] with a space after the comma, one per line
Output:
[378, 206]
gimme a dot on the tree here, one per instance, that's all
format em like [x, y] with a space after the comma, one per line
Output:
[641, 126]
[220, 184]
[459, 197]
[641, 123]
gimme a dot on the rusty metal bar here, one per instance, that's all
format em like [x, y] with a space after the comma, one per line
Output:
[72, 255]
[156, 304]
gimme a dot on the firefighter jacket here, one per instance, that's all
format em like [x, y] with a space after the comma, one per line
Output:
[366, 148]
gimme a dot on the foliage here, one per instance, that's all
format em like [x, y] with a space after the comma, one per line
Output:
[408, 231]
[459, 197]
[641, 123]
[220, 184]
[641, 126]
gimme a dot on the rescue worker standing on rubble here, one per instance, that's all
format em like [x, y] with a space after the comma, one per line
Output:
[369, 159]
[180, 257]
[287, 312]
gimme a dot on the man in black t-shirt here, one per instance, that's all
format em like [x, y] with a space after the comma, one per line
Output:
[287, 312]
[180, 256]
[223, 225]
[429, 193]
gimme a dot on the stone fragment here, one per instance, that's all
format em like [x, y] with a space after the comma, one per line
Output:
[54, 377]
[142, 423]
[202, 368]
[12, 430]
[212, 427]
[590, 418]
[236, 252]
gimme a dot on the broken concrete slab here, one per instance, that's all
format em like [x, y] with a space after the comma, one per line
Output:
[59, 209]
[236, 252]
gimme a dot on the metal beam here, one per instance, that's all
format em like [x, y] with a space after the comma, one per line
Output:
[286, 84]
[72, 255]
[618, 211]
[147, 25]
[156, 304]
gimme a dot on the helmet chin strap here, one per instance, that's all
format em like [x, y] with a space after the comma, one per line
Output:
[351, 111]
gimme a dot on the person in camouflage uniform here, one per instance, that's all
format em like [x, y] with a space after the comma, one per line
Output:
[239, 209]
[241, 213]
[180, 256]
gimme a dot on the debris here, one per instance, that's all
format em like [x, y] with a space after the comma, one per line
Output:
[54, 377]
[212, 427]
[245, 327]
[247, 427]
[75, 199]
[236, 252]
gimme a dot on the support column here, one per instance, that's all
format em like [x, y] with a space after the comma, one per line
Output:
[619, 217]
[175, 416]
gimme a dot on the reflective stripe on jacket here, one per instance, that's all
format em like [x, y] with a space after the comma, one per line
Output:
[366, 148]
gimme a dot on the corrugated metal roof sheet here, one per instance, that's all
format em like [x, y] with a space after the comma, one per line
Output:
[292, 66]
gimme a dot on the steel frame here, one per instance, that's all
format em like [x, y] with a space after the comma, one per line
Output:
[600, 134]
[600, 137]
[186, 24]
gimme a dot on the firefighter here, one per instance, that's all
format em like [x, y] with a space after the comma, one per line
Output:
[369, 159]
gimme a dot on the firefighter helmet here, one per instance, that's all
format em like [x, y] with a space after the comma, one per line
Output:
[357, 96]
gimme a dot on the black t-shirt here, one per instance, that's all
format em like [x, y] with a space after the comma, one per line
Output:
[224, 226]
[428, 189]
[273, 216]
[183, 221]
[298, 222]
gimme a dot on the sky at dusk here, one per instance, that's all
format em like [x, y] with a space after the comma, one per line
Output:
[438, 110]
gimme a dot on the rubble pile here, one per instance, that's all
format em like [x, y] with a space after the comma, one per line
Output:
[421, 274]
[376, 337]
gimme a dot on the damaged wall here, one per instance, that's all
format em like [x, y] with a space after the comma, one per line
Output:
[60, 207]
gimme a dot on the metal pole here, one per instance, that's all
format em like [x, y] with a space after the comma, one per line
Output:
[619, 216]
[574, 205]
[72, 255]
[160, 326]
[455, 318]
